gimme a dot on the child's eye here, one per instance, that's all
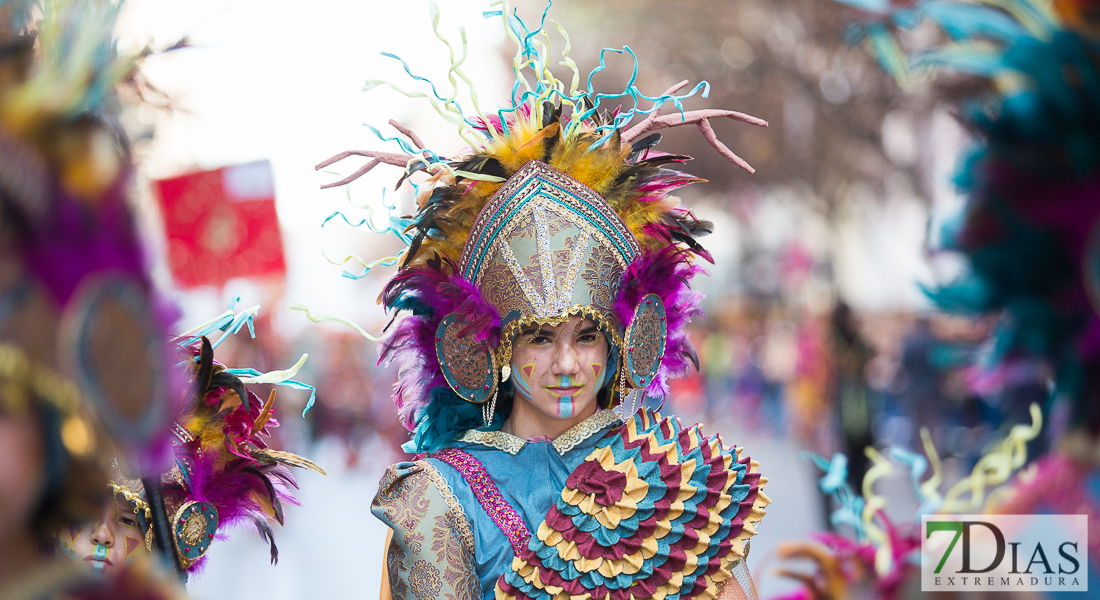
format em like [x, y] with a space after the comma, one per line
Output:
[128, 521]
[588, 338]
[540, 340]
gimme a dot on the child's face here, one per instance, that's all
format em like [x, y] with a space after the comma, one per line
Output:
[109, 543]
[559, 369]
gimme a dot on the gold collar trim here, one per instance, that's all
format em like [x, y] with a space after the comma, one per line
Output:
[504, 442]
[565, 442]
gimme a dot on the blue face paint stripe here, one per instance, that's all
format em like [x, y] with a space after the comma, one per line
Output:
[565, 403]
[522, 384]
[100, 557]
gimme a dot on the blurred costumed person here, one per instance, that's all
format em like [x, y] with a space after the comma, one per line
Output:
[84, 358]
[1030, 228]
[225, 476]
[874, 554]
[547, 276]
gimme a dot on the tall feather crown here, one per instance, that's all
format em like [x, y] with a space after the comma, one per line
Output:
[559, 208]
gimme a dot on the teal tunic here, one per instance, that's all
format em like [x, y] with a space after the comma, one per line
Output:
[447, 544]
[530, 476]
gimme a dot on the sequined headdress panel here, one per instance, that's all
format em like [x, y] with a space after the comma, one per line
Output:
[546, 247]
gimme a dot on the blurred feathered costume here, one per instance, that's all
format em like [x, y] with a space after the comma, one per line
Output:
[1031, 226]
[874, 556]
[96, 383]
[69, 243]
[1031, 233]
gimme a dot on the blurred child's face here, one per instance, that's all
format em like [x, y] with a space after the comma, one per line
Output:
[109, 543]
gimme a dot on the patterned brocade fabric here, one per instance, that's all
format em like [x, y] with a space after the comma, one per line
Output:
[431, 554]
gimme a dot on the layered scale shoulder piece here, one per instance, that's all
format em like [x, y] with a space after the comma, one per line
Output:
[656, 510]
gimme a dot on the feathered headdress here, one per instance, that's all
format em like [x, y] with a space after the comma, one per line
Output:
[225, 474]
[1031, 225]
[559, 208]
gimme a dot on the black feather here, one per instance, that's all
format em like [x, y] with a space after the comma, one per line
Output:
[548, 144]
[692, 355]
[278, 506]
[645, 143]
[225, 379]
[419, 165]
[547, 113]
[267, 535]
[206, 367]
[484, 165]
[283, 474]
[657, 161]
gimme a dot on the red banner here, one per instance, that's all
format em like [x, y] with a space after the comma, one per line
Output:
[222, 224]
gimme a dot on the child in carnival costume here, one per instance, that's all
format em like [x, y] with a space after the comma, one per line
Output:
[85, 367]
[547, 280]
[224, 474]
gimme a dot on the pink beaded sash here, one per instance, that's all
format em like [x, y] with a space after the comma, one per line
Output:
[486, 492]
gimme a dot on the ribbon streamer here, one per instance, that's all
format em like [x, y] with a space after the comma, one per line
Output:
[319, 318]
[281, 377]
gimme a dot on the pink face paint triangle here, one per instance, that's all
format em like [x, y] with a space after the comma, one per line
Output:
[528, 370]
[597, 368]
[130, 544]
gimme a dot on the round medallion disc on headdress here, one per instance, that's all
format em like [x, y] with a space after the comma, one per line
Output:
[468, 365]
[114, 345]
[645, 341]
[194, 525]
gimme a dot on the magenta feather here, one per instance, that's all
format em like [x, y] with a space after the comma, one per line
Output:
[666, 272]
[432, 292]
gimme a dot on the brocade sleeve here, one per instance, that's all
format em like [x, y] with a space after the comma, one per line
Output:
[431, 553]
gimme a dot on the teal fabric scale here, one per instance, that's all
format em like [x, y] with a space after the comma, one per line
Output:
[531, 481]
